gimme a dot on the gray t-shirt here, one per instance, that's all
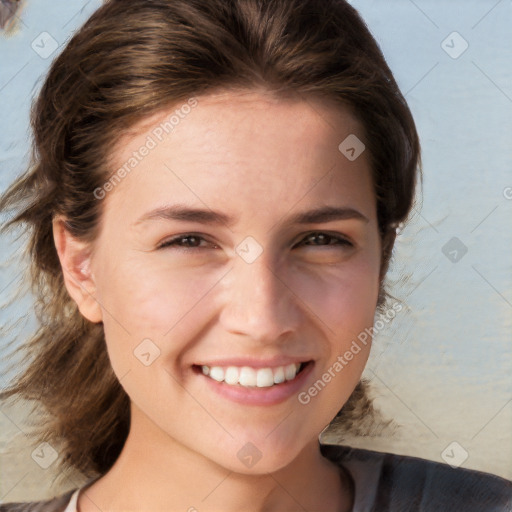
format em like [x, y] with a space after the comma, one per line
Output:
[382, 482]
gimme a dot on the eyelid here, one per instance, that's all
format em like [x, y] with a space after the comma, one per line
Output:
[343, 240]
[169, 242]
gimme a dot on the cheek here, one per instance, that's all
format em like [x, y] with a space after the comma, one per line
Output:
[343, 297]
[150, 295]
[345, 300]
[155, 302]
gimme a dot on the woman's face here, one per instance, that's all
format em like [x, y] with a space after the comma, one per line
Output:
[214, 255]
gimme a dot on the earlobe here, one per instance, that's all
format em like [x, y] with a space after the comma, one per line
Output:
[75, 260]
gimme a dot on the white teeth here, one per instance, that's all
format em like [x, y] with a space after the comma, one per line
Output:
[264, 378]
[231, 375]
[252, 377]
[290, 371]
[279, 375]
[247, 377]
[217, 373]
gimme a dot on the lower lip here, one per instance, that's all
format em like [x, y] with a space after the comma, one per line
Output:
[260, 396]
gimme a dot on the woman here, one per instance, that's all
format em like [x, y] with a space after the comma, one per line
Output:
[212, 207]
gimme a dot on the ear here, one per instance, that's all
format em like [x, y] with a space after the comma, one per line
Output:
[75, 260]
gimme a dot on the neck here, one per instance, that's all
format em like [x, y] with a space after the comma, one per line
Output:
[157, 472]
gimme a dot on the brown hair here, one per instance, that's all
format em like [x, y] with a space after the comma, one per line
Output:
[132, 59]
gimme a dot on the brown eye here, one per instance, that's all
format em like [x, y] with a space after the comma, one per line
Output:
[188, 241]
[321, 239]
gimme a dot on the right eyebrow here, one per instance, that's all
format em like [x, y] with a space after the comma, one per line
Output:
[187, 214]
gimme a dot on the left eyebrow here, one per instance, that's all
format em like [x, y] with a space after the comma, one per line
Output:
[327, 214]
[205, 216]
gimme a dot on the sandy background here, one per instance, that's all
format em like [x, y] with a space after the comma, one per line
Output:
[442, 369]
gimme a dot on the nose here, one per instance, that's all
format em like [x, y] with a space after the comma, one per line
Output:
[259, 303]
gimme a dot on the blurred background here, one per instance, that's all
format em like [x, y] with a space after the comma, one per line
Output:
[442, 368]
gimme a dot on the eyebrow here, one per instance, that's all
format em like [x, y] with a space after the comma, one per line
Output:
[185, 213]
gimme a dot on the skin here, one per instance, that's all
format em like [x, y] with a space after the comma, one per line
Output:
[260, 160]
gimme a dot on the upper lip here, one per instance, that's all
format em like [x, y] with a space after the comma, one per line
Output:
[255, 362]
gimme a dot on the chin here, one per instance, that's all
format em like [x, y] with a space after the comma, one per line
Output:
[263, 456]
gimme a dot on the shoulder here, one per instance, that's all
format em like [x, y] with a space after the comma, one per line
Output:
[400, 483]
[57, 504]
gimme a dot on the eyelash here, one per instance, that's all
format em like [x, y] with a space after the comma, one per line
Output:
[174, 242]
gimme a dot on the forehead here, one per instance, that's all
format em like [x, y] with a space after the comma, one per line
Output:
[244, 147]
[212, 122]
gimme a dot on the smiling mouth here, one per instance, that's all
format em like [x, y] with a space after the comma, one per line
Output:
[245, 376]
